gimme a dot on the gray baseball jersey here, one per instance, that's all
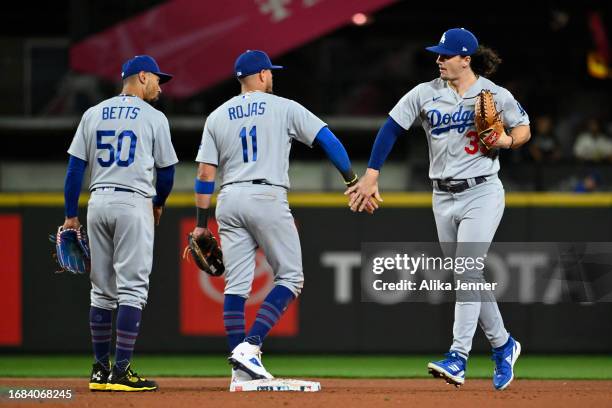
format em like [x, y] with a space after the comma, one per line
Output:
[249, 137]
[448, 120]
[123, 138]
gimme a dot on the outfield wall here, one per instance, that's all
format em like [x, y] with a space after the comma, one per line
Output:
[44, 312]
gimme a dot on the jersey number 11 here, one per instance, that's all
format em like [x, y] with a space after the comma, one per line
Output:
[245, 147]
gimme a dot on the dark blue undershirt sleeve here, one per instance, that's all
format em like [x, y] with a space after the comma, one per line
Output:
[72, 185]
[163, 185]
[335, 151]
[387, 135]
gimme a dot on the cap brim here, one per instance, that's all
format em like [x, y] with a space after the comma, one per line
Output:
[246, 74]
[441, 50]
[163, 78]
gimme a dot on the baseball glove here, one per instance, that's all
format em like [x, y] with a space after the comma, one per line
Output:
[206, 253]
[487, 119]
[71, 250]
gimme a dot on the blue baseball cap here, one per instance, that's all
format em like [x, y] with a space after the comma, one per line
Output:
[456, 41]
[144, 63]
[251, 62]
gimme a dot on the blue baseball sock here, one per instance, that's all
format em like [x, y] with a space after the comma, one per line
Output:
[233, 319]
[128, 324]
[101, 327]
[270, 311]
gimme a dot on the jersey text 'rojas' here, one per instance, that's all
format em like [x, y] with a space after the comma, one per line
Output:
[249, 137]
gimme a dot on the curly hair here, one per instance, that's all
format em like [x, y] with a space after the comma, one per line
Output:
[485, 61]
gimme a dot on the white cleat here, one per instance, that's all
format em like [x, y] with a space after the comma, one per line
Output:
[246, 357]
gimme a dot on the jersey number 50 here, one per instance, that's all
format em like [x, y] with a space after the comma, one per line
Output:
[112, 158]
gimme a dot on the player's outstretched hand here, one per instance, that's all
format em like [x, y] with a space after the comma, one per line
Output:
[72, 223]
[371, 206]
[157, 213]
[364, 195]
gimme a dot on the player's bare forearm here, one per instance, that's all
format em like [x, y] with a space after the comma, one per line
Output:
[203, 200]
[206, 172]
[157, 213]
[520, 135]
[514, 139]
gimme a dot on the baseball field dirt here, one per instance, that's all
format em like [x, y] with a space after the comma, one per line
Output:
[212, 392]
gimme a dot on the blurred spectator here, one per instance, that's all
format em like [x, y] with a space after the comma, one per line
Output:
[593, 144]
[591, 183]
[544, 146]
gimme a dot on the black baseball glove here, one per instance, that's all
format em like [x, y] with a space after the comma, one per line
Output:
[206, 253]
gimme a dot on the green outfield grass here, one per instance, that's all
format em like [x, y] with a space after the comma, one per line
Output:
[346, 366]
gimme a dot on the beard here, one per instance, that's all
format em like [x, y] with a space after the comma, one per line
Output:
[152, 99]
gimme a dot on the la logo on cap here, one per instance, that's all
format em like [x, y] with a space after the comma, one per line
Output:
[443, 38]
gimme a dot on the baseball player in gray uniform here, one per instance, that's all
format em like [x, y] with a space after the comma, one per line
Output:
[248, 139]
[126, 143]
[468, 197]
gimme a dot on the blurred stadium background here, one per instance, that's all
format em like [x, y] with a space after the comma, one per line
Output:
[348, 62]
[351, 71]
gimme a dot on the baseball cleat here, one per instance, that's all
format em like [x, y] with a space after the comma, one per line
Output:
[246, 357]
[128, 380]
[452, 369]
[99, 377]
[505, 357]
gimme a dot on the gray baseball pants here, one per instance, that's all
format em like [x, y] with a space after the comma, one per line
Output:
[472, 216]
[251, 216]
[120, 227]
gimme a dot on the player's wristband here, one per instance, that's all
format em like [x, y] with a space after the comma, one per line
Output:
[204, 187]
[350, 178]
[202, 217]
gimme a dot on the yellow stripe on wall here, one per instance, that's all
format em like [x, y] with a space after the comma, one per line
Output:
[337, 200]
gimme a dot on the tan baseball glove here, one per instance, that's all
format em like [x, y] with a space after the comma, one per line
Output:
[487, 119]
